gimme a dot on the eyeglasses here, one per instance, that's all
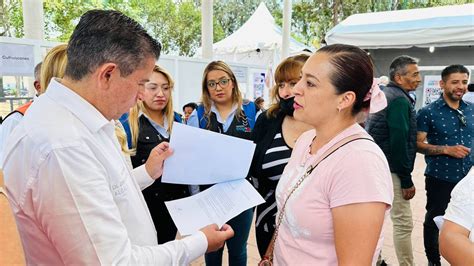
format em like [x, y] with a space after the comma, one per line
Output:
[461, 117]
[223, 83]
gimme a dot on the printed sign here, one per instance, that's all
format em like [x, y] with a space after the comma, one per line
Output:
[16, 60]
[258, 84]
[240, 74]
[431, 89]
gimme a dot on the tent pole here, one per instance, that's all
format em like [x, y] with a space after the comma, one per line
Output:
[207, 28]
[33, 17]
[285, 42]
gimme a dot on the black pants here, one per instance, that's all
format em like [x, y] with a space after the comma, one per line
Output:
[438, 194]
[164, 225]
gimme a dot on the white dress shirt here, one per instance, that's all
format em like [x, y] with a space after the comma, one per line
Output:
[469, 97]
[74, 197]
[5, 129]
[461, 206]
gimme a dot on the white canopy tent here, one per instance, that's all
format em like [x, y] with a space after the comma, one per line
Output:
[257, 42]
[426, 27]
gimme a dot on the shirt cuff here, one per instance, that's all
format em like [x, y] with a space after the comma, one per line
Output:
[406, 182]
[196, 244]
[142, 177]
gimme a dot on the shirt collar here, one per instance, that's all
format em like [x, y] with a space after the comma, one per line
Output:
[153, 123]
[82, 109]
[441, 102]
[351, 130]
[214, 110]
[393, 84]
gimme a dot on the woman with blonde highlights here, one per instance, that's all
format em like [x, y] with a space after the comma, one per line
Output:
[223, 111]
[151, 122]
[54, 65]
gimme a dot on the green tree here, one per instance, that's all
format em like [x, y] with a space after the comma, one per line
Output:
[11, 19]
[232, 14]
[176, 24]
[62, 16]
[312, 19]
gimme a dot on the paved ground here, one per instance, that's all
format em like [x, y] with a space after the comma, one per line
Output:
[388, 253]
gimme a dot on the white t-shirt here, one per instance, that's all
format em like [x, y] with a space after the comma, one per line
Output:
[469, 97]
[74, 197]
[461, 207]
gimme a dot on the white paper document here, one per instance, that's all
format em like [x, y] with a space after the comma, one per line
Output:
[204, 157]
[217, 204]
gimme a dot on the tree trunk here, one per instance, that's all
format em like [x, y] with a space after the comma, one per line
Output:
[335, 12]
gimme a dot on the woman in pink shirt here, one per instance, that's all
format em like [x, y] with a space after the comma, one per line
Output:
[335, 212]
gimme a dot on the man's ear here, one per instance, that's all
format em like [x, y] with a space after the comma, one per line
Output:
[397, 79]
[442, 84]
[37, 86]
[106, 73]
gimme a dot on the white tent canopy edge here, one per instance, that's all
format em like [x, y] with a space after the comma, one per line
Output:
[437, 26]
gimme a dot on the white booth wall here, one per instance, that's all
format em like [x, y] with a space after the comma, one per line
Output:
[186, 72]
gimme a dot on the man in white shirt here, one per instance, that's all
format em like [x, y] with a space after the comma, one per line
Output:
[72, 193]
[13, 119]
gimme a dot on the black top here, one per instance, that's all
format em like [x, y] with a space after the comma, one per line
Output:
[269, 160]
[263, 135]
[148, 138]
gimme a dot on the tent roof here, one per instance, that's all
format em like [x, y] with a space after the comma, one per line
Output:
[424, 27]
[260, 31]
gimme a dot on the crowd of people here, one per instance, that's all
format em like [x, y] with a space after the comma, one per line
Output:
[334, 157]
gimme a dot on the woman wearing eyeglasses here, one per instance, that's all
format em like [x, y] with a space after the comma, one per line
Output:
[275, 134]
[223, 111]
[150, 122]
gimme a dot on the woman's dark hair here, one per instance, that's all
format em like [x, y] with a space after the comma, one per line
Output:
[191, 104]
[353, 71]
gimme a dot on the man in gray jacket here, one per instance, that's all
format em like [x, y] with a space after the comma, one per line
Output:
[394, 130]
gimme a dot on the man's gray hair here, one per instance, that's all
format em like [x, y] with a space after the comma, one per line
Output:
[38, 71]
[106, 36]
[399, 65]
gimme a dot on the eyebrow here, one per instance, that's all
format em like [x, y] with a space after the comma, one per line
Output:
[223, 77]
[154, 83]
[312, 76]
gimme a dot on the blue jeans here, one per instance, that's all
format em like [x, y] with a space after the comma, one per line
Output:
[237, 245]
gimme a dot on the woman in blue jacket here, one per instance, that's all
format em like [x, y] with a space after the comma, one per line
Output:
[223, 111]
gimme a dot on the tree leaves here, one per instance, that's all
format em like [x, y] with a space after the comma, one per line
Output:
[177, 23]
